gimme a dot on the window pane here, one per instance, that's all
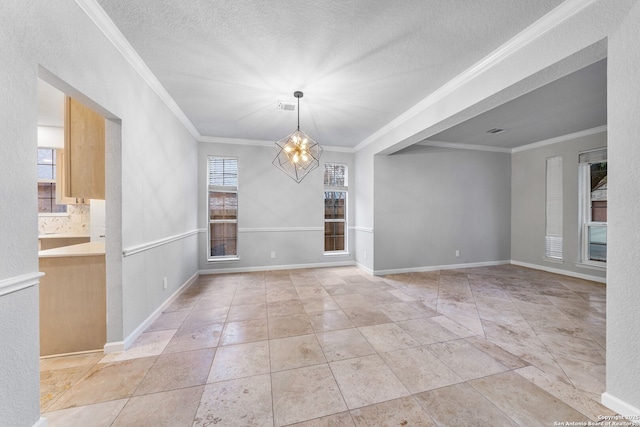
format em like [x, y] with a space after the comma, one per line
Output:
[598, 180]
[47, 190]
[223, 239]
[223, 172]
[554, 209]
[58, 208]
[46, 162]
[47, 199]
[44, 205]
[334, 236]
[230, 246]
[46, 172]
[223, 205]
[598, 243]
[44, 190]
[329, 244]
[334, 204]
[335, 175]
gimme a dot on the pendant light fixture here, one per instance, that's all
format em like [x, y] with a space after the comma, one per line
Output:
[297, 154]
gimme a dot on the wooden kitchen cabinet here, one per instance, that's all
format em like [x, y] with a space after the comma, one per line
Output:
[61, 180]
[84, 151]
[72, 303]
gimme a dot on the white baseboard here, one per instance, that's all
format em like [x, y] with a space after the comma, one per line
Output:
[42, 422]
[277, 267]
[627, 411]
[114, 347]
[117, 346]
[364, 268]
[559, 271]
[438, 267]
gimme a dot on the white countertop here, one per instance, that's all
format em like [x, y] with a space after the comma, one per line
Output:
[82, 249]
[62, 235]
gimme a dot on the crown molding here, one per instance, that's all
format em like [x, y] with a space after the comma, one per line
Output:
[461, 146]
[555, 17]
[235, 141]
[531, 146]
[558, 139]
[99, 17]
[262, 143]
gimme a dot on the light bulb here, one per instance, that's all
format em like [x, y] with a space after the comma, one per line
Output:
[287, 149]
[295, 158]
[304, 157]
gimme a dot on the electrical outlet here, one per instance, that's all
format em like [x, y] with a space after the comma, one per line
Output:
[273, 254]
[457, 252]
[164, 283]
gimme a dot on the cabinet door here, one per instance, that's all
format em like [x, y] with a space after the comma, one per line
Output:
[61, 199]
[84, 151]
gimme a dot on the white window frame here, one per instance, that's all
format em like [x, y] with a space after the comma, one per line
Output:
[586, 159]
[554, 247]
[328, 187]
[220, 189]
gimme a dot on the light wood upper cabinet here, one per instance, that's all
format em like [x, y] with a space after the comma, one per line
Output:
[61, 180]
[84, 155]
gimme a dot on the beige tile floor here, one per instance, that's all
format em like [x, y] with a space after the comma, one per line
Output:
[491, 346]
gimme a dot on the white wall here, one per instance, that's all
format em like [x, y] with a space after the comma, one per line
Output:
[158, 194]
[529, 203]
[431, 201]
[275, 214]
[623, 282]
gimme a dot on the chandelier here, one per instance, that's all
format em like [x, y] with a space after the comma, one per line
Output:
[297, 154]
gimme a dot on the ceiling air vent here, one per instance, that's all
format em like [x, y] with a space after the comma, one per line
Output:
[495, 130]
[286, 106]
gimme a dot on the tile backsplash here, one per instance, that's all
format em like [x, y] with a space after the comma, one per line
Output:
[76, 221]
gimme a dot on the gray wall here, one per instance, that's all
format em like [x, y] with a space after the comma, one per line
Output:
[158, 194]
[275, 214]
[430, 202]
[528, 203]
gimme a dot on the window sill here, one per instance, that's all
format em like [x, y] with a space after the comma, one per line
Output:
[336, 253]
[223, 259]
[592, 266]
[553, 260]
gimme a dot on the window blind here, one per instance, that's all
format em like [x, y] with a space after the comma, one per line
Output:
[335, 175]
[223, 172]
[593, 156]
[553, 238]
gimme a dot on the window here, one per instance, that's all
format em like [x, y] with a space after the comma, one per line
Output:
[47, 160]
[335, 208]
[553, 234]
[592, 172]
[223, 207]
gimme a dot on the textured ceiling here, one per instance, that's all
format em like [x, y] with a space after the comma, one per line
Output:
[360, 63]
[570, 104]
